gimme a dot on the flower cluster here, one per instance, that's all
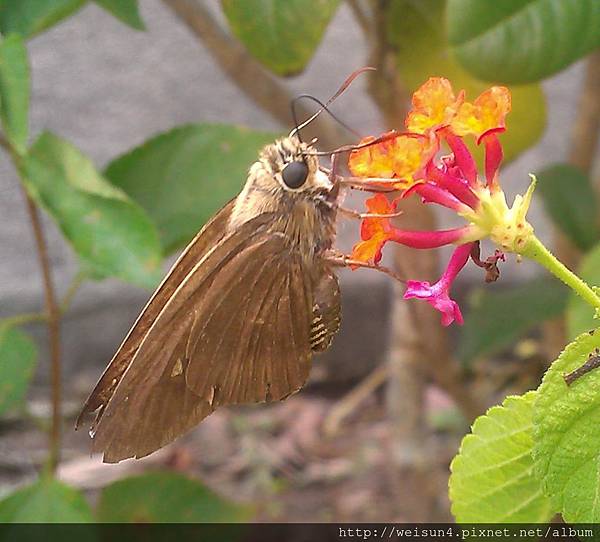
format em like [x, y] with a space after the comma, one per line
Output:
[409, 162]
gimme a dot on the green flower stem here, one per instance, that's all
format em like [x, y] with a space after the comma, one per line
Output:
[535, 250]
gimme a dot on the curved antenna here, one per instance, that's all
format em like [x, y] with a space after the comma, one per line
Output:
[324, 108]
[347, 148]
[340, 91]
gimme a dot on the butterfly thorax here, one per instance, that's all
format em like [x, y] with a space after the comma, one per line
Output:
[305, 215]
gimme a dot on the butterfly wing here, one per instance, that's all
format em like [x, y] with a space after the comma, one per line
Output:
[212, 232]
[236, 330]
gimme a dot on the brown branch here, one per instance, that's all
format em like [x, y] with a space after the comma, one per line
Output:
[246, 72]
[586, 131]
[53, 323]
[52, 315]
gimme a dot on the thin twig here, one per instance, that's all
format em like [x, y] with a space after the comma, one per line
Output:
[246, 72]
[31, 317]
[351, 401]
[72, 289]
[53, 322]
[52, 314]
[21, 319]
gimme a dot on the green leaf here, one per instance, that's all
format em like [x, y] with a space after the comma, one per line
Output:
[127, 11]
[166, 497]
[492, 476]
[14, 91]
[570, 200]
[109, 232]
[29, 17]
[184, 176]
[521, 41]
[421, 24]
[282, 34]
[566, 446]
[498, 318]
[46, 501]
[580, 316]
[18, 357]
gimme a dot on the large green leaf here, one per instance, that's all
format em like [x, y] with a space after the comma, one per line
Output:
[498, 318]
[18, 357]
[520, 41]
[29, 17]
[14, 91]
[109, 232]
[282, 34]
[570, 200]
[183, 176]
[165, 497]
[566, 445]
[580, 316]
[416, 29]
[127, 11]
[492, 477]
[46, 501]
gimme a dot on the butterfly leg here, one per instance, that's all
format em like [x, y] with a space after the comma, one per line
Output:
[355, 214]
[343, 260]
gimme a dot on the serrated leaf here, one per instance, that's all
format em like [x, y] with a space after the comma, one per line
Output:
[282, 34]
[166, 497]
[184, 176]
[18, 358]
[570, 201]
[108, 231]
[492, 478]
[580, 316]
[566, 446]
[127, 11]
[497, 319]
[29, 17]
[14, 91]
[46, 501]
[421, 24]
[521, 41]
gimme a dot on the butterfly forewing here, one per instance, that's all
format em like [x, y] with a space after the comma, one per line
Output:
[235, 331]
[206, 239]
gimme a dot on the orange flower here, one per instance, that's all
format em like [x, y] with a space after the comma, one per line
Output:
[486, 114]
[402, 157]
[374, 232]
[434, 106]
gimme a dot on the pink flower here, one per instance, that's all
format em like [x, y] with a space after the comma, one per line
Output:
[438, 294]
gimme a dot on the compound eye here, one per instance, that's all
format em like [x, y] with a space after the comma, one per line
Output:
[294, 174]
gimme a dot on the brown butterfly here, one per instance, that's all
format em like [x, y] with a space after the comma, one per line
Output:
[240, 314]
[237, 318]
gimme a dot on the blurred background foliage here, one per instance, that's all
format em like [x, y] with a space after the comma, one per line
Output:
[147, 203]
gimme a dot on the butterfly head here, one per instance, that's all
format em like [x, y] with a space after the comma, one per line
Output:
[288, 162]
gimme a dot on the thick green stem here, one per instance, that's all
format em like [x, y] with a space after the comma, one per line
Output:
[535, 250]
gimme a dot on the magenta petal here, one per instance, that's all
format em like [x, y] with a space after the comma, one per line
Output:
[462, 158]
[493, 157]
[432, 193]
[437, 297]
[438, 294]
[428, 239]
[458, 260]
[457, 187]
